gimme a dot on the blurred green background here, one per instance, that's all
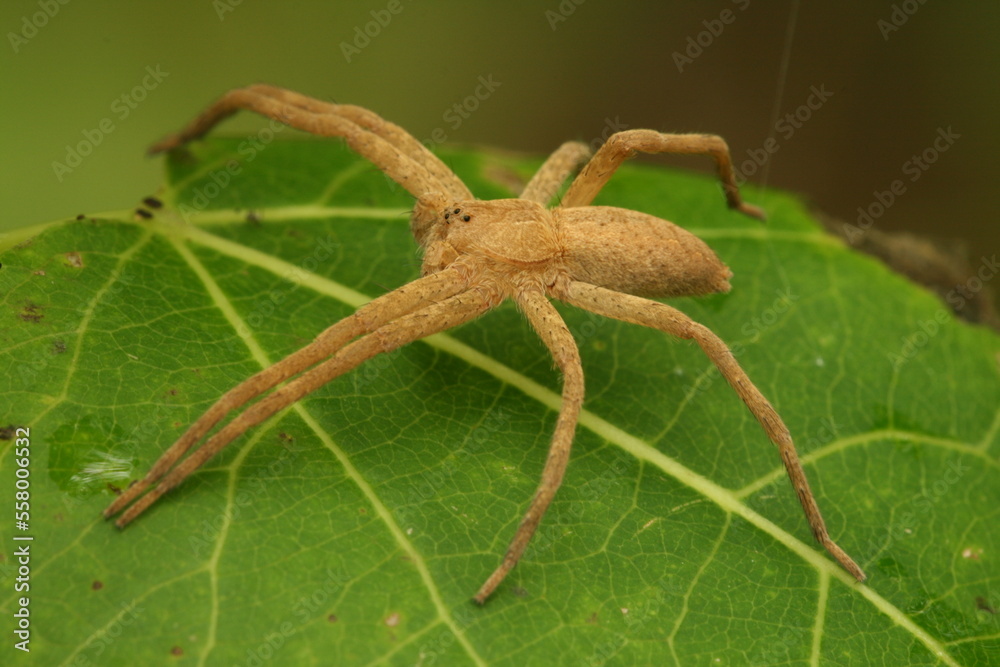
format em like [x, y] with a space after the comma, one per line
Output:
[566, 70]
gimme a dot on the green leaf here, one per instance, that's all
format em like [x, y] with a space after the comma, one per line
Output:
[355, 527]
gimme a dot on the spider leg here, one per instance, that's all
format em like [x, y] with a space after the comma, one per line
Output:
[553, 331]
[670, 320]
[546, 182]
[372, 122]
[416, 177]
[410, 298]
[623, 145]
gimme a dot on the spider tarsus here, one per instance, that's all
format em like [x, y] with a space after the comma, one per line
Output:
[752, 211]
[156, 148]
[163, 145]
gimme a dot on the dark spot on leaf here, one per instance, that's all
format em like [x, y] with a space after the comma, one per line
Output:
[74, 259]
[285, 437]
[253, 218]
[332, 618]
[97, 585]
[592, 619]
[152, 202]
[58, 346]
[143, 213]
[7, 432]
[177, 650]
[32, 312]
[362, 510]
[114, 489]
[983, 605]
[80, 216]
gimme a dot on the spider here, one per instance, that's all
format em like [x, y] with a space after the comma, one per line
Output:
[476, 255]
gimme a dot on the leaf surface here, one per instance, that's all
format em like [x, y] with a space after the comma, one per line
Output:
[354, 528]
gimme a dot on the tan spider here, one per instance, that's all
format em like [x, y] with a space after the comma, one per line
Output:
[479, 253]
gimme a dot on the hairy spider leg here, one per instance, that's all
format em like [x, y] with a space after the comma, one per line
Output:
[371, 121]
[546, 182]
[409, 299]
[622, 145]
[653, 314]
[393, 160]
[551, 328]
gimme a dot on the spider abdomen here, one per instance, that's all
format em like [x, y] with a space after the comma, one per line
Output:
[637, 253]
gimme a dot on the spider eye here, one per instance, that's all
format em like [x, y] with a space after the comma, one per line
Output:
[457, 211]
[466, 217]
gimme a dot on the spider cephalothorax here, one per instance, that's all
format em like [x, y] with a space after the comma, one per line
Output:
[479, 253]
